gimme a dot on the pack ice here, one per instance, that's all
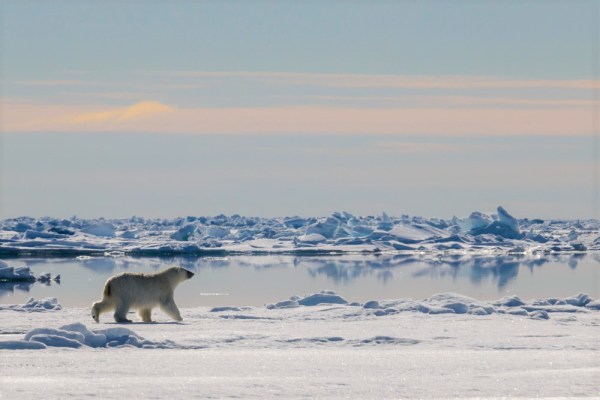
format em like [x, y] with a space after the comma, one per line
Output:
[341, 232]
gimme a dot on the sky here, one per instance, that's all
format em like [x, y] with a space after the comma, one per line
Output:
[165, 109]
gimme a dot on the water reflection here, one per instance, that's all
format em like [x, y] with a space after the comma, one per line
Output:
[9, 288]
[501, 269]
[342, 269]
[261, 279]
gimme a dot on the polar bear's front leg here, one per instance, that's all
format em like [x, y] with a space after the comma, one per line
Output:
[170, 308]
[121, 312]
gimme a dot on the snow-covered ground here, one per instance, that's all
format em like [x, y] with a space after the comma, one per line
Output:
[341, 232]
[446, 346]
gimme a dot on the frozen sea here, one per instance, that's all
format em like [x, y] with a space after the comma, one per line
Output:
[338, 307]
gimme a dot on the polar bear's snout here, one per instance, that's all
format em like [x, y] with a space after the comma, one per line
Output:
[189, 274]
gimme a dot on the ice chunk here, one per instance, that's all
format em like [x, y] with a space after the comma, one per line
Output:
[56, 341]
[327, 228]
[89, 338]
[43, 332]
[226, 308]
[104, 229]
[593, 305]
[284, 304]
[184, 233]
[21, 345]
[295, 222]
[362, 230]
[579, 300]
[385, 224]
[325, 297]
[77, 335]
[218, 232]
[458, 308]
[478, 311]
[506, 226]
[518, 311]
[510, 301]
[42, 235]
[62, 230]
[475, 221]
[508, 220]
[18, 274]
[372, 304]
[50, 303]
[539, 314]
[312, 238]
[440, 310]
[22, 227]
[130, 234]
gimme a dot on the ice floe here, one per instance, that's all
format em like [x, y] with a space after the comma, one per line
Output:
[22, 278]
[341, 232]
[33, 305]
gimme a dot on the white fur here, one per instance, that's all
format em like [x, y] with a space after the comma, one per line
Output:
[142, 292]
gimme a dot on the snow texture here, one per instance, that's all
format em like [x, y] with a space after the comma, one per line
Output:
[339, 233]
[385, 348]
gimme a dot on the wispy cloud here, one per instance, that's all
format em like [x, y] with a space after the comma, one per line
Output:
[412, 147]
[440, 101]
[135, 111]
[152, 116]
[393, 81]
[60, 82]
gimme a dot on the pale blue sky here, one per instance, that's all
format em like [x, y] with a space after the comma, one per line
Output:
[496, 103]
[518, 39]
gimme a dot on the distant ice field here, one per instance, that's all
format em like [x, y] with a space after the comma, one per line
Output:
[341, 232]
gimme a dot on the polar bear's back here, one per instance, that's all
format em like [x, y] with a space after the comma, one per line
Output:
[138, 289]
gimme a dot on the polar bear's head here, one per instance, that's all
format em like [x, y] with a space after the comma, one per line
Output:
[96, 310]
[178, 274]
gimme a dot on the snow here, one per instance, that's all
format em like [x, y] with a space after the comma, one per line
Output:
[33, 305]
[327, 351]
[340, 232]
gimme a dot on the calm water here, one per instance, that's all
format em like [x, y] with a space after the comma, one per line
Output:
[257, 280]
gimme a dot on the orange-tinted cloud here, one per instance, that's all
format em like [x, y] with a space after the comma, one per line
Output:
[135, 111]
[160, 118]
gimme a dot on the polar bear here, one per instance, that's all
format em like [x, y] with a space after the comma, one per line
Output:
[143, 292]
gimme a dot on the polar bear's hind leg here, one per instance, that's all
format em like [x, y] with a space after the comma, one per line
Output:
[146, 314]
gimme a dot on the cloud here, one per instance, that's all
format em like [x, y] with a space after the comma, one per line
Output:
[442, 101]
[430, 147]
[394, 81]
[59, 82]
[135, 111]
[155, 117]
